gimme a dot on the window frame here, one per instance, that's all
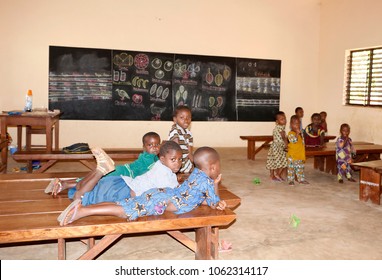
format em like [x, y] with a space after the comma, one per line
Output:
[370, 94]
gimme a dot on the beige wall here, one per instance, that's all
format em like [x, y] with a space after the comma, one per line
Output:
[347, 25]
[277, 29]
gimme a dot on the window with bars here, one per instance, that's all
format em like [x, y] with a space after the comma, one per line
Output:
[364, 77]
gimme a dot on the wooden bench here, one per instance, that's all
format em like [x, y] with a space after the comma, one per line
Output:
[28, 214]
[251, 143]
[325, 157]
[86, 159]
[370, 180]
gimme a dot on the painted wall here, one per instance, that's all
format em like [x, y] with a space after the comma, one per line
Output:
[345, 25]
[277, 29]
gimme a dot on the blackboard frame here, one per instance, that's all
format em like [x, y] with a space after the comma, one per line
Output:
[107, 84]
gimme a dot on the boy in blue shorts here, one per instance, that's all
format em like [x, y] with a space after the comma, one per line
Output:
[114, 188]
[201, 187]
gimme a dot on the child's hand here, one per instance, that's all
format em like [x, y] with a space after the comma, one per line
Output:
[221, 205]
[218, 179]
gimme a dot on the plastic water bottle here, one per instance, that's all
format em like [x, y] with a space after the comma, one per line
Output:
[28, 101]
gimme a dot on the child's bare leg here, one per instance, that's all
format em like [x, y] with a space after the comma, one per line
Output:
[272, 174]
[88, 183]
[100, 209]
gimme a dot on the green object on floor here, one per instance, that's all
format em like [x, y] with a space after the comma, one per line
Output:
[256, 181]
[294, 221]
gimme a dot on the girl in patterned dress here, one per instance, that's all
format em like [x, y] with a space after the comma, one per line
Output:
[344, 153]
[276, 160]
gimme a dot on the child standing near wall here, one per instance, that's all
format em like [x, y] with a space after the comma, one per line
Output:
[296, 153]
[314, 134]
[300, 114]
[344, 154]
[180, 134]
[276, 160]
[200, 188]
[324, 124]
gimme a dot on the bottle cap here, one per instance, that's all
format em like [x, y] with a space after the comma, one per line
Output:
[29, 92]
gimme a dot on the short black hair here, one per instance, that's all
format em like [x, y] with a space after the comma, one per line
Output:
[315, 115]
[180, 108]
[344, 125]
[168, 146]
[204, 156]
[279, 113]
[297, 109]
[150, 134]
[294, 117]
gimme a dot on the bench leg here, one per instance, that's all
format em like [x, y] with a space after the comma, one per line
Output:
[98, 248]
[370, 186]
[61, 249]
[207, 239]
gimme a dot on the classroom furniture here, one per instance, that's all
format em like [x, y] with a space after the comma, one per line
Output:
[49, 159]
[3, 145]
[325, 157]
[370, 181]
[48, 120]
[27, 214]
[251, 143]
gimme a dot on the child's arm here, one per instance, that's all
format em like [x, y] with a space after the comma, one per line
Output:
[190, 154]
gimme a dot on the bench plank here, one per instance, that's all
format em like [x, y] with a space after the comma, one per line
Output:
[28, 214]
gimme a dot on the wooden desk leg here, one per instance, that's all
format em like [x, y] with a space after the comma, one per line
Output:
[319, 163]
[48, 134]
[57, 135]
[331, 165]
[370, 185]
[251, 149]
[19, 137]
[4, 151]
[207, 243]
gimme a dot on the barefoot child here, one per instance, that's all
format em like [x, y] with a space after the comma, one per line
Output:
[151, 143]
[344, 152]
[114, 188]
[182, 135]
[276, 160]
[296, 153]
[200, 188]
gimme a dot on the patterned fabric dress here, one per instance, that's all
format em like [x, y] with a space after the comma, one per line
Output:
[344, 151]
[277, 154]
[296, 157]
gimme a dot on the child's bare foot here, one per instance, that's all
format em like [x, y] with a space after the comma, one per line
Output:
[104, 163]
[291, 183]
[278, 177]
[70, 214]
[340, 181]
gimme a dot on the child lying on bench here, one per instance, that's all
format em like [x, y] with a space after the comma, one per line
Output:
[200, 188]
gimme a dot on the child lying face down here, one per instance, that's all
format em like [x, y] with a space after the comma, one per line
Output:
[201, 187]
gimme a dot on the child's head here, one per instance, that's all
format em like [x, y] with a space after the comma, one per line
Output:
[207, 159]
[323, 115]
[299, 112]
[316, 119]
[295, 123]
[280, 118]
[345, 130]
[170, 154]
[182, 116]
[151, 142]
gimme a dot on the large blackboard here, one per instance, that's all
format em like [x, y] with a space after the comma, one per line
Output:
[99, 84]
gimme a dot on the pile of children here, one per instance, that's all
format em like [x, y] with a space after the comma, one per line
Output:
[149, 185]
[287, 151]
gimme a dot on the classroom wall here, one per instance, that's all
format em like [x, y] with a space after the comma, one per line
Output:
[345, 25]
[277, 29]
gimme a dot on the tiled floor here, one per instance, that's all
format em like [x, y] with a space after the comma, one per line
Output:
[334, 223]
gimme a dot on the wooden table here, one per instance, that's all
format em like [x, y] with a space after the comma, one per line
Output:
[325, 157]
[39, 119]
[251, 144]
[370, 181]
